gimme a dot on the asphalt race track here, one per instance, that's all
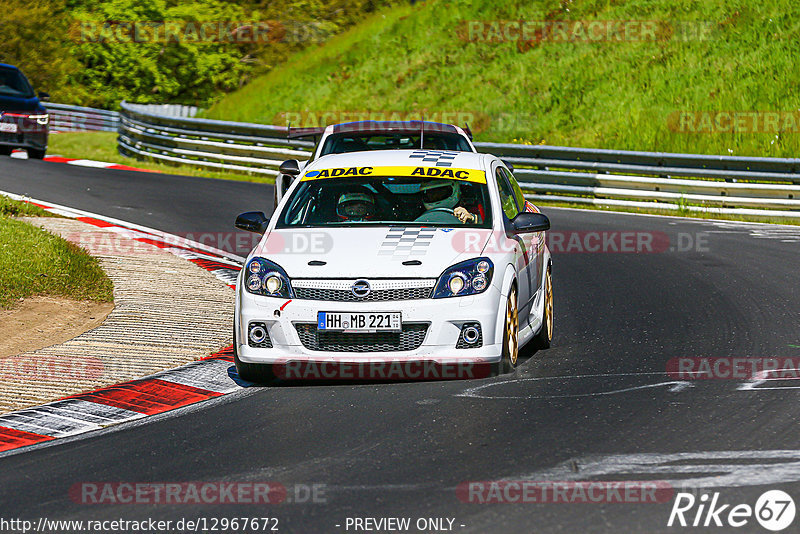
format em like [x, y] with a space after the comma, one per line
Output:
[195, 206]
[598, 405]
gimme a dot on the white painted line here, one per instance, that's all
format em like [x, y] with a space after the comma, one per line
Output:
[90, 163]
[476, 392]
[712, 469]
[676, 217]
[91, 412]
[763, 377]
[229, 276]
[47, 424]
[211, 375]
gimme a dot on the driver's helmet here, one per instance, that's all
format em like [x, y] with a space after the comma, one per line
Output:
[357, 206]
[440, 194]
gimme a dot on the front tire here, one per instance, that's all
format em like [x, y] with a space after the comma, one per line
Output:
[251, 372]
[36, 154]
[510, 334]
[545, 335]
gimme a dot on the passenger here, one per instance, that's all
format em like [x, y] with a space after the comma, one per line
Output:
[441, 198]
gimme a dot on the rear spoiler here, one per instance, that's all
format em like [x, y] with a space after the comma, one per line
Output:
[298, 133]
[317, 131]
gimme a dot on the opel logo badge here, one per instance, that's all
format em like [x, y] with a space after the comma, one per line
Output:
[360, 288]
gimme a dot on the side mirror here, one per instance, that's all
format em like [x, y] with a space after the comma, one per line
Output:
[527, 222]
[290, 167]
[44, 96]
[252, 221]
[508, 164]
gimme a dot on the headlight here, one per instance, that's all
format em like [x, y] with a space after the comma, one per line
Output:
[41, 119]
[267, 278]
[466, 278]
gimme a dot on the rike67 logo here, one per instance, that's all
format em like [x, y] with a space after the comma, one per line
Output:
[774, 510]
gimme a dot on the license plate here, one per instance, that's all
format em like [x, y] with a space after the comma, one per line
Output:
[8, 127]
[359, 322]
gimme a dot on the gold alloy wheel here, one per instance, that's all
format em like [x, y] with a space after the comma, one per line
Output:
[549, 304]
[512, 328]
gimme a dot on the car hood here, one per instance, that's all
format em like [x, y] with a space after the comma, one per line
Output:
[371, 252]
[14, 103]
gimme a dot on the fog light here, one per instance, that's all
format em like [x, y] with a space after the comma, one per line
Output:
[258, 334]
[471, 334]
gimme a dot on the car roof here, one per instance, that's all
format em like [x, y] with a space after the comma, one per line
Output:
[403, 127]
[402, 158]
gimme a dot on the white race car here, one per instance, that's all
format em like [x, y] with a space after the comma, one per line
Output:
[395, 256]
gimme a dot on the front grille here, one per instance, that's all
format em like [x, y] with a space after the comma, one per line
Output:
[345, 295]
[7, 137]
[410, 338]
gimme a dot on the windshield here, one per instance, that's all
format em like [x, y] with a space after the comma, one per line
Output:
[348, 142]
[388, 200]
[14, 83]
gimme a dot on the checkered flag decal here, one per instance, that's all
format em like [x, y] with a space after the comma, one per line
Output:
[404, 242]
[442, 159]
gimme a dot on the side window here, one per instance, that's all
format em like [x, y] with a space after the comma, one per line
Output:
[516, 188]
[507, 200]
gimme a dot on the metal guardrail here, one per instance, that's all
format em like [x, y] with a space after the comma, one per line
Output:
[719, 184]
[233, 146]
[66, 118]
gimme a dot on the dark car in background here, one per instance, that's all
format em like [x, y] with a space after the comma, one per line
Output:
[23, 119]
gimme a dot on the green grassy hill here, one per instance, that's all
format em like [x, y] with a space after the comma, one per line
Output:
[688, 56]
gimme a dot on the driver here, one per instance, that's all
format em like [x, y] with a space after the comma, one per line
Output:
[444, 195]
[358, 206]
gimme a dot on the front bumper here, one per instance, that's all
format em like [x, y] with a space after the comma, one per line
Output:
[444, 319]
[28, 134]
